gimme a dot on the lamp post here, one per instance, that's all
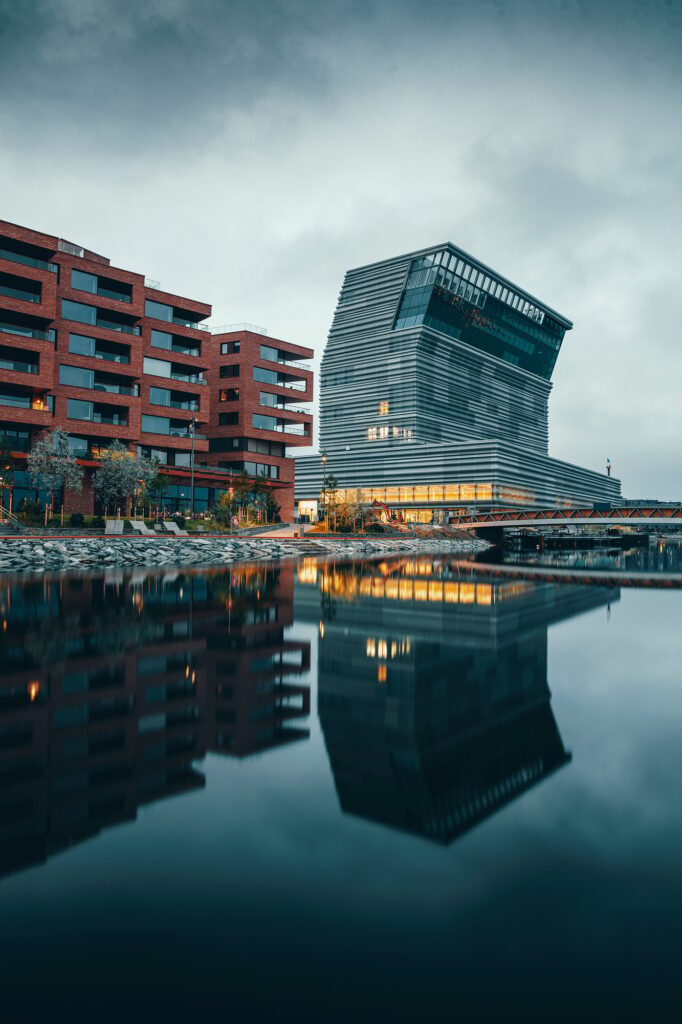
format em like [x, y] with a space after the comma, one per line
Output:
[191, 462]
[324, 487]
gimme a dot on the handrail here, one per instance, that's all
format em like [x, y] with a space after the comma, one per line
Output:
[5, 514]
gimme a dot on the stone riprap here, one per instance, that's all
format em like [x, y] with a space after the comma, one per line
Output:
[37, 554]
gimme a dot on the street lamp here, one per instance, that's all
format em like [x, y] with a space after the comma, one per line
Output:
[324, 487]
[191, 462]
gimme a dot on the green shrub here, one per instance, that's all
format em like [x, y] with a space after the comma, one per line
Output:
[76, 519]
[97, 523]
[180, 520]
[54, 521]
[375, 528]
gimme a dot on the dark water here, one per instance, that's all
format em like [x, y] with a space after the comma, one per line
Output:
[379, 792]
[660, 556]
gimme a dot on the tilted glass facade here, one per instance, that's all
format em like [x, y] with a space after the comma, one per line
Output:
[452, 295]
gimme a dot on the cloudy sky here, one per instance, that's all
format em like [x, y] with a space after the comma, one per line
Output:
[247, 152]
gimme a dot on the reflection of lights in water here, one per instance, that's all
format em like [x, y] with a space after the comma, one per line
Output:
[322, 630]
[381, 673]
[33, 690]
[186, 671]
[194, 678]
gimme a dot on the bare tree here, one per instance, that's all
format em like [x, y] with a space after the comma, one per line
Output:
[51, 465]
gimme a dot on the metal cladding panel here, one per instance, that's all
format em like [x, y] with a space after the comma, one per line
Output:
[545, 481]
[417, 384]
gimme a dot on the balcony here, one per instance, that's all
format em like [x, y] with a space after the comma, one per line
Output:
[17, 400]
[188, 378]
[17, 365]
[24, 331]
[18, 293]
[117, 389]
[28, 261]
[113, 325]
[191, 324]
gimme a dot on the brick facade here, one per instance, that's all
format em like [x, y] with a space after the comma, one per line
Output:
[99, 352]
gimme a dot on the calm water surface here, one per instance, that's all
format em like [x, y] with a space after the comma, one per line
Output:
[375, 791]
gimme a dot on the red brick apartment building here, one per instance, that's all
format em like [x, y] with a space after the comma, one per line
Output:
[106, 355]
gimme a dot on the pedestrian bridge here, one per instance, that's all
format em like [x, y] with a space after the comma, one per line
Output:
[623, 515]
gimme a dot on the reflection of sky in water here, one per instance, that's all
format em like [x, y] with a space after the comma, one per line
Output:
[258, 892]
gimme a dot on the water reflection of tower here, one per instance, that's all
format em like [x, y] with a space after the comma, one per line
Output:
[433, 694]
[112, 687]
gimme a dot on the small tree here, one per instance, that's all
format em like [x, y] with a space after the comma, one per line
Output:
[242, 486]
[272, 509]
[121, 476]
[7, 466]
[52, 465]
[224, 508]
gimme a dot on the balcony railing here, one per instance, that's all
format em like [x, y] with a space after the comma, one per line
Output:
[17, 366]
[189, 378]
[28, 261]
[112, 325]
[107, 293]
[19, 293]
[27, 402]
[182, 322]
[118, 389]
[233, 328]
[112, 357]
[174, 403]
[28, 332]
[184, 432]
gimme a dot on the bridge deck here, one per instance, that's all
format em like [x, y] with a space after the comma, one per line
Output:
[636, 515]
[591, 577]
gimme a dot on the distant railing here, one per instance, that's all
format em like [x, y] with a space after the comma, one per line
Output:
[231, 328]
[149, 282]
[73, 250]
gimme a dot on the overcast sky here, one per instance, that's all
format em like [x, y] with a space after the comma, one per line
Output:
[248, 153]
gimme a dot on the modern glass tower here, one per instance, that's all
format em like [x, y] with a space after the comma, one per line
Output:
[434, 390]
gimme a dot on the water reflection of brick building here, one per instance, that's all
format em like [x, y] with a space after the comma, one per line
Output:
[433, 693]
[112, 688]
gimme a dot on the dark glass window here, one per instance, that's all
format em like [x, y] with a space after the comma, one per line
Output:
[158, 310]
[76, 376]
[228, 347]
[264, 376]
[229, 395]
[159, 396]
[162, 339]
[228, 419]
[155, 424]
[84, 282]
[79, 311]
[230, 371]
[268, 352]
[78, 410]
[264, 422]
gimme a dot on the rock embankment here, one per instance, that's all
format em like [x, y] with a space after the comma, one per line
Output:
[37, 554]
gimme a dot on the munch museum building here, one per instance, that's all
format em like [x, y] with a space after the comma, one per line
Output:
[434, 393]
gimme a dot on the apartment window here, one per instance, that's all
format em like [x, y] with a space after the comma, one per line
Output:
[228, 419]
[76, 377]
[264, 422]
[156, 367]
[229, 371]
[159, 396]
[183, 459]
[264, 376]
[229, 395]
[383, 408]
[78, 446]
[84, 282]
[79, 311]
[267, 398]
[228, 347]
[158, 310]
[78, 410]
[162, 339]
[267, 352]
[155, 424]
